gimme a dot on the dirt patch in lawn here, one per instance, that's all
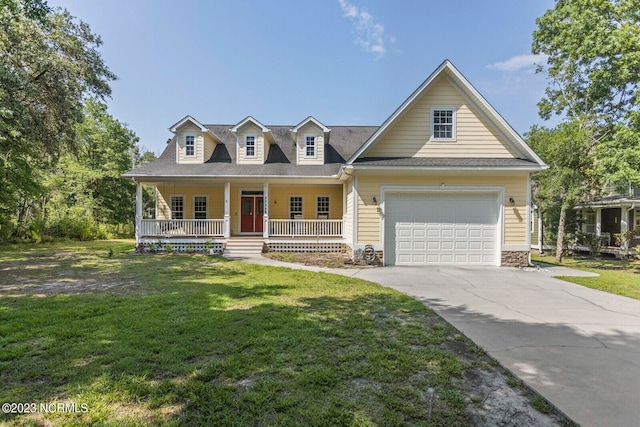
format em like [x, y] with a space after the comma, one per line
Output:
[319, 259]
[494, 396]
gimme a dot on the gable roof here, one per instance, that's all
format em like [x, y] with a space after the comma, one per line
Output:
[196, 123]
[467, 90]
[252, 120]
[312, 120]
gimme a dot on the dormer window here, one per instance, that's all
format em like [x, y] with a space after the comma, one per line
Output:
[190, 145]
[310, 146]
[443, 124]
[250, 146]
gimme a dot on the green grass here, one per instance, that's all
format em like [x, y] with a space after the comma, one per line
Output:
[615, 276]
[195, 340]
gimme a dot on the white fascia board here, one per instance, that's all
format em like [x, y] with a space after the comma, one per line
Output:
[452, 168]
[493, 114]
[262, 127]
[175, 127]
[314, 121]
[477, 98]
[399, 111]
[203, 128]
[270, 177]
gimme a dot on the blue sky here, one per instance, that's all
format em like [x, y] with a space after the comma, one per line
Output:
[345, 62]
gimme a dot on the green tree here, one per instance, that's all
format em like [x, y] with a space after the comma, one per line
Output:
[87, 181]
[49, 63]
[570, 176]
[593, 66]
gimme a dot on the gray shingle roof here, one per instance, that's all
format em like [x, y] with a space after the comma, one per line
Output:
[344, 141]
[281, 159]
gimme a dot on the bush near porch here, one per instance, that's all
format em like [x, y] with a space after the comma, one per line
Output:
[194, 340]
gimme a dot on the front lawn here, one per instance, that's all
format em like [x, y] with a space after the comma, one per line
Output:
[125, 339]
[614, 275]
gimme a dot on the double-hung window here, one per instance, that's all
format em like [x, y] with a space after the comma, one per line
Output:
[309, 145]
[295, 207]
[443, 123]
[190, 145]
[177, 207]
[200, 207]
[250, 146]
[322, 206]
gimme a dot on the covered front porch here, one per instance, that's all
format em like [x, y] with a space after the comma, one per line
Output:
[281, 213]
[607, 223]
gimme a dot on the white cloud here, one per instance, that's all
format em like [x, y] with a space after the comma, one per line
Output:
[519, 62]
[369, 34]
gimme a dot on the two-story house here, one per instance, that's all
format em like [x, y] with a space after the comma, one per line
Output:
[444, 180]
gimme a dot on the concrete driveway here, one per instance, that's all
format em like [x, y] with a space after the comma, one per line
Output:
[578, 347]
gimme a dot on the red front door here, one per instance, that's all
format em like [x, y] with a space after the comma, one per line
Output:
[251, 214]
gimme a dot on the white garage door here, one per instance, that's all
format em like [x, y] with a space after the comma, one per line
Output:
[427, 228]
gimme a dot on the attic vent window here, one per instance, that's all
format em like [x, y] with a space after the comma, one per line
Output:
[443, 124]
[190, 145]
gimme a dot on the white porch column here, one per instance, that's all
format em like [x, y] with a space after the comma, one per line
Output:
[624, 219]
[345, 188]
[138, 211]
[540, 233]
[598, 221]
[265, 195]
[227, 209]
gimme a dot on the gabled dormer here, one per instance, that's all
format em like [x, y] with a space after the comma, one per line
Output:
[310, 136]
[195, 143]
[252, 141]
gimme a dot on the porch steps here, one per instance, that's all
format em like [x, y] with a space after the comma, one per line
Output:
[243, 246]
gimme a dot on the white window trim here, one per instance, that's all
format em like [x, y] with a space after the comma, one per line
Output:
[193, 200]
[329, 200]
[301, 204]
[184, 213]
[454, 124]
[315, 145]
[255, 145]
[195, 151]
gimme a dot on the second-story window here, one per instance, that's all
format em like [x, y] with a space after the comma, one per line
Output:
[309, 146]
[443, 123]
[190, 145]
[250, 146]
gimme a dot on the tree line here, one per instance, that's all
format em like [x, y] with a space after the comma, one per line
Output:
[61, 152]
[593, 73]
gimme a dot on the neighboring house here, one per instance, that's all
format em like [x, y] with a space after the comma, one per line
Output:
[612, 214]
[444, 180]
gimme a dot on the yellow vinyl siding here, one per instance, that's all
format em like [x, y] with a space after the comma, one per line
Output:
[410, 135]
[209, 147]
[515, 217]
[310, 129]
[215, 200]
[279, 200]
[189, 129]
[250, 129]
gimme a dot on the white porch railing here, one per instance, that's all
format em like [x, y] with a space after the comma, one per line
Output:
[181, 227]
[305, 227]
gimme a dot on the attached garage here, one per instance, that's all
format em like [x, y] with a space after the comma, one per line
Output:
[442, 228]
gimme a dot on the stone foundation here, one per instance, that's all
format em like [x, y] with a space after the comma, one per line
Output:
[515, 259]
